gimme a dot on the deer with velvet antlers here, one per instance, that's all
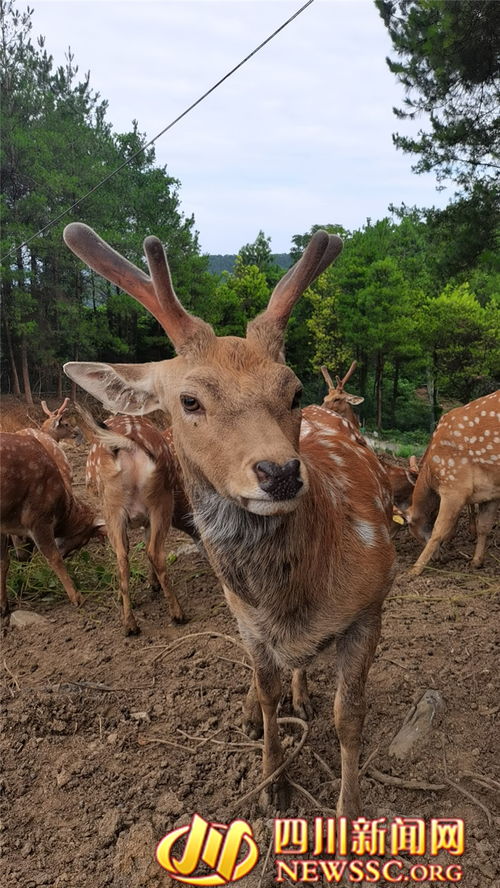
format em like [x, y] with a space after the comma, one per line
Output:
[337, 399]
[297, 529]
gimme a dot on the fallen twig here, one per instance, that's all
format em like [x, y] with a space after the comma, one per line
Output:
[92, 686]
[266, 861]
[324, 765]
[13, 677]
[394, 663]
[485, 784]
[276, 773]
[145, 741]
[211, 739]
[486, 778]
[316, 804]
[235, 662]
[370, 758]
[389, 780]
[472, 798]
[180, 641]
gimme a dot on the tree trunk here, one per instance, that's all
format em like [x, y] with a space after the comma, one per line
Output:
[363, 375]
[378, 388]
[16, 388]
[73, 383]
[25, 371]
[395, 383]
[59, 384]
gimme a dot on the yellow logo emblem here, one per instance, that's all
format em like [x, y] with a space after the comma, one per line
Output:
[216, 845]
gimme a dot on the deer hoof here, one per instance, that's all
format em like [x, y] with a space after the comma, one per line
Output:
[253, 729]
[414, 572]
[304, 710]
[179, 619]
[276, 796]
[131, 627]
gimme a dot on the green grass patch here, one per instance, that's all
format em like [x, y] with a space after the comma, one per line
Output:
[93, 572]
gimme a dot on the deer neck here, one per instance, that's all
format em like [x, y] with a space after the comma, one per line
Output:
[248, 552]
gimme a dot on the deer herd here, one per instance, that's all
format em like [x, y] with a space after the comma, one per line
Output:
[293, 508]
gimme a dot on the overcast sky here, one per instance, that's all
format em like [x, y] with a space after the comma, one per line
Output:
[301, 135]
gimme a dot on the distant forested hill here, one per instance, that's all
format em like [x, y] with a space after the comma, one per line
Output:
[225, 262]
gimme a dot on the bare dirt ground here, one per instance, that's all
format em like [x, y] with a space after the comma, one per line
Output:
[110, 742]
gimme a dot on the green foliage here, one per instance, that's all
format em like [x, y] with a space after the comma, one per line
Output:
[56, 145]
[414, 298]
[449, 65]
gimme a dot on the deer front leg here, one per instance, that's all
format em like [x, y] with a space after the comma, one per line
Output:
[252, 713]
[355, 653]
[4, 569]
[156, 554]
[449, 511]
[268, 691]
[44, 539]
[484, 523]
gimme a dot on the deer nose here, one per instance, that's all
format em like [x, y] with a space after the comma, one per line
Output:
[281, 482]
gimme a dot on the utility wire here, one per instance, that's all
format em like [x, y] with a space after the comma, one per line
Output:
[163, 131]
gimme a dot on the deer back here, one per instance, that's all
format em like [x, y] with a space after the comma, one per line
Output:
[35, 492]
[133, 468]
[464, 452]
[55, 452]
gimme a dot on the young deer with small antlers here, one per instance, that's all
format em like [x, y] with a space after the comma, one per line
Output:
[37, 502]
[298, 533]
[402, 480]
[338, 399]
[56, 426]
[461, 466]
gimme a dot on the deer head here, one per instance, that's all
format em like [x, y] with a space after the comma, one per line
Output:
[233, 404]
[55, 425]
[338, 400]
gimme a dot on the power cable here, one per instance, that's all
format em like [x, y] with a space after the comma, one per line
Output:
[163, 131]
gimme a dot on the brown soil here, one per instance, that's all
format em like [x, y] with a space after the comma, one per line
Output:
[100, 745]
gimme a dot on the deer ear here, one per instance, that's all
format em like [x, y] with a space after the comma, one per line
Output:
[354, 399]
[122, 388]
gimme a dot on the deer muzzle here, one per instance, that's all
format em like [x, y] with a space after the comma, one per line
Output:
[280, 482]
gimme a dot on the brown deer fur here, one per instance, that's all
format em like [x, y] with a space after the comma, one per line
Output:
[402, 480]
[133, 471]
[37, 502]
[297, 532]
[461, 466]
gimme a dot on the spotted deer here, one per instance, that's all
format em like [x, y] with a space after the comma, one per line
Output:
[402, 479]
[296, 530]
[338, 399]
[131, 468]
[57, 429]
[461, 466]
[37, 501]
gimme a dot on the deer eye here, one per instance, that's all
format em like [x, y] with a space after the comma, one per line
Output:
[191, 405]
[297, 399]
